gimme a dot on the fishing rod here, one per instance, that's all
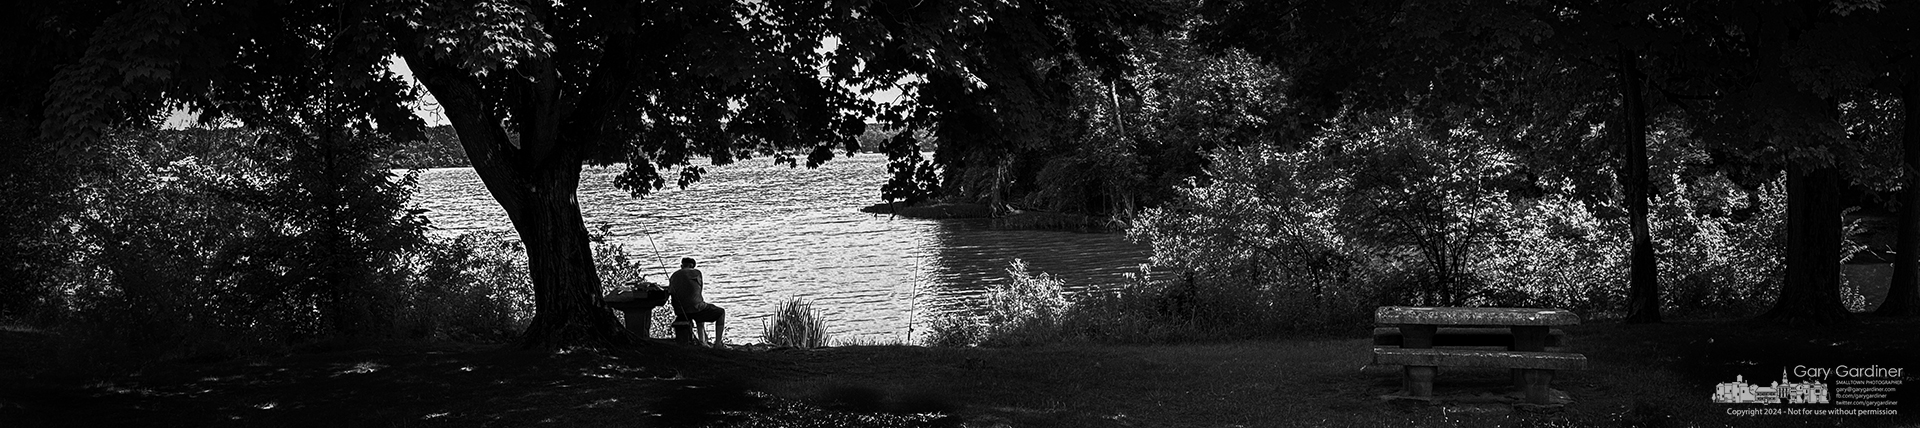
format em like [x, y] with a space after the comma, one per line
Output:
[664, 267]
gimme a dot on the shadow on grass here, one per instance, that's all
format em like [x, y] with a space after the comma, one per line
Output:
[1652, 375]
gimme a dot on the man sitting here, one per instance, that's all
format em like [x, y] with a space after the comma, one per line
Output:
[688, 286]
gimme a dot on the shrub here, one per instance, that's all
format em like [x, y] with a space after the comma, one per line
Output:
[1722, 255]
[953, 330]
[472, 287]
[796, 324]
[1026, 309]
[1121, 314]
[620, 267]
[211, 243]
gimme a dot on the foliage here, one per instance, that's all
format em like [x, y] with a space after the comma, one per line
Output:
[953, 331]
[1419, 194]
[912, 178]
[796, 324]
[1024, 310]
[34, 242]
[1143, 133]
[1554, 250]
[1722, 263]
[470, 288]
[1391, 210]
[617, 265]
[990, 79]
[440, 149]
[1377, 201]
[37, 178]
[222, 242]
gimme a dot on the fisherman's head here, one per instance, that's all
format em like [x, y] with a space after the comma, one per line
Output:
[686, 262]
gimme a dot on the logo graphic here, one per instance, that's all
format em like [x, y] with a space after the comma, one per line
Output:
[1780, 391]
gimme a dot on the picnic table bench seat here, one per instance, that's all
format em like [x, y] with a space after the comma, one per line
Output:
[1480, 358]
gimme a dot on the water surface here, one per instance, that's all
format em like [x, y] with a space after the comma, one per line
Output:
[764, 233]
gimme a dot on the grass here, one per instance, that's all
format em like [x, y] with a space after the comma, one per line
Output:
[796, 324]
[1652, 376]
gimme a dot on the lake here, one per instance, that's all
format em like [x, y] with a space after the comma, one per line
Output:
[764, 233]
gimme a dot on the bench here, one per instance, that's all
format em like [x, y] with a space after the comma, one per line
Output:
[1519, 338]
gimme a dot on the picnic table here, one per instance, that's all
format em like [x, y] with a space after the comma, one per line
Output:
[1424, 338]
[637, 307]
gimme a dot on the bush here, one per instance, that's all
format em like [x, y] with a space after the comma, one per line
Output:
[213, 243]
[1026, 309]
[796, 324]
[471, 288]
[954, 330]
[1126, 313]
[1721, 247]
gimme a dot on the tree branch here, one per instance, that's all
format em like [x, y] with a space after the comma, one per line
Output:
[467, 108]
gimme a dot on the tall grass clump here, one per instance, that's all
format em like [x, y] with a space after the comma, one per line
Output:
[796, 324]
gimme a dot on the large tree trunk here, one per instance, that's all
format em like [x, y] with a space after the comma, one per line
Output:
[536, 182]
[1903, 295]
[1643, 289]
[566, 288]
[1811, 294]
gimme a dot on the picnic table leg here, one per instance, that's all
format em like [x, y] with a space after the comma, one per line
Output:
[1535, 384]
[639, 321]
[1531, 338]
[1417, 380]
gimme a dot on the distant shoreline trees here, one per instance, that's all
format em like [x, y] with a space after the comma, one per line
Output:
[439, 149]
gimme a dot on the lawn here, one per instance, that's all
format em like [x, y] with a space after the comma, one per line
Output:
[1658, 375]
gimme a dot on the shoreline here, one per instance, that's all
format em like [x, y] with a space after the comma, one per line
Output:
[1013, 220]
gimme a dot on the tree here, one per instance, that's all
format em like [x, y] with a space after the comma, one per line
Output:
[1903, 295]
[1144, 133]
[534, 106]
[1800, 118]
[37, 179]
[1896, 42]
[536, 90]
[1427, 188]
[998, 87]
[1762, 86]
[717, 79]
